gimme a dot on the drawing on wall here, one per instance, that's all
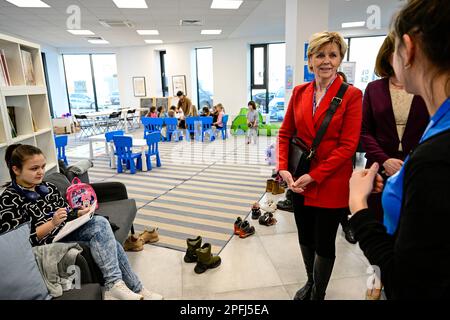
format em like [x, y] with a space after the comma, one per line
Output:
[179, 84]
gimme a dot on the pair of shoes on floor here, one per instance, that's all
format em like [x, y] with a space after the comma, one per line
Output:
[286, 205]
[120, 291]
[274, 187]
[256, 211]
[267, 219]
[196, 252]
[134, 243]
[243, 228]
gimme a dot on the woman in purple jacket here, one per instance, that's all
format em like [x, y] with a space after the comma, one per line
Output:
[393, 120]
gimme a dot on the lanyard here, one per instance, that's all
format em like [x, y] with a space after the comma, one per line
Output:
[316, 104]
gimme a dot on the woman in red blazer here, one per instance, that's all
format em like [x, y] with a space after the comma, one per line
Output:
[393, 121]
[321, 196]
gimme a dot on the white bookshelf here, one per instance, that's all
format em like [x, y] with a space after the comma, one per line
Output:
[29, 101]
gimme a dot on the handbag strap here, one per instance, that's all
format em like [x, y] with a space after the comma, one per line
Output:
[326, 121]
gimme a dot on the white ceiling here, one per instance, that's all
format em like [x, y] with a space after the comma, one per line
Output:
[255, 18]
[48, 25]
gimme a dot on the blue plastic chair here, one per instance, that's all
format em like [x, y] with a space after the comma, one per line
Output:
[123, 145]
[109, 137]
[61, 143]
[190, 126]
[171, 127]
[224, 127]
[206, 126]
[152, 143]
[152, 125]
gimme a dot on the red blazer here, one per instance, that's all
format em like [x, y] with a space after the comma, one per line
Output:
[332, 166]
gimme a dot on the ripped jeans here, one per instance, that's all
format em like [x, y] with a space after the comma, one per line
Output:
[107, 252]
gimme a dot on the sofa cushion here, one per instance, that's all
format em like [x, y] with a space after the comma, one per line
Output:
[60, 181]
[20, 278]
[91, 291]
[120, 212]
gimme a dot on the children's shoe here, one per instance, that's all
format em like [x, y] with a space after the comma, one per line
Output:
[269, 185]
[256, 212]
[237, 226]
[269, 206]
[267, 219]
[150, 236]
[205, 259]
[133, 243]
[192, 246]
[277, 188]
[246, 230]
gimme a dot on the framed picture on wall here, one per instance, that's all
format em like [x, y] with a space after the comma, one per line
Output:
[139, 87]
[178, 84]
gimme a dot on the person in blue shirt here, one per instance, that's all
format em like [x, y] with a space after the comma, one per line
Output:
[412, 248]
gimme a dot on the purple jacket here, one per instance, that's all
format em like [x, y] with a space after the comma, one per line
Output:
[379, 136]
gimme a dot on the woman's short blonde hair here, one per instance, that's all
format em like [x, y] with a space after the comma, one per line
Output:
[318, 40]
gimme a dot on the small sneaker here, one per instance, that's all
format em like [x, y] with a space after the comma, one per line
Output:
[149, 236]
[237, 226]
[133, 243]
[246, 230]
[256, 212]
[269, 206]
[148, 295]
[267, 219]
[120, 291]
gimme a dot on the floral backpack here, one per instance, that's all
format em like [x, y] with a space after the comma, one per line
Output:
[80, 195]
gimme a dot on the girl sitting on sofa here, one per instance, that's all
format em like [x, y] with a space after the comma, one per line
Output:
[28, 198]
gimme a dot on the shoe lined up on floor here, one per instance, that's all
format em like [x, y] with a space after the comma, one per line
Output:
[120, 291]
[149, 236]
[242, 228]
[256, 211]
[201, 254]
[269, 206]
[267, 219]
[133, 243]
[286, 205]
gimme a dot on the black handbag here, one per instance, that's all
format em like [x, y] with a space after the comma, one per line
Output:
[300, 155]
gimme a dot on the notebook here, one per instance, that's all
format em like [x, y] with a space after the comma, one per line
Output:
[75, 224]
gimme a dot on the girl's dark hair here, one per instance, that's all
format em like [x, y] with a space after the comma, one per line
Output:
[426, 21]
[160, 108]
[17, 154]
[205, 109]
[152, 109]
[253, 104]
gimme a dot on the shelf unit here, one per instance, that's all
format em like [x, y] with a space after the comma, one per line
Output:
[27, 102]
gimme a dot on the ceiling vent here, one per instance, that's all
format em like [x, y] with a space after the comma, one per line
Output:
[116, 23]
[191, 23]
[94, 38]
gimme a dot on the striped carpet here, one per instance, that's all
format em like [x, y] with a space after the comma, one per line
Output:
[200, 189]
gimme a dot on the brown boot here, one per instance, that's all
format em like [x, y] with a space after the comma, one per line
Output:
[269, 185]
[277, 188]
[133, 243]
[149, 236]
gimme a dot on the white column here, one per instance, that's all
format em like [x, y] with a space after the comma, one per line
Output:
[303, 18]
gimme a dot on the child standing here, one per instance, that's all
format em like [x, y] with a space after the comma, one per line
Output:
[153, 113]
[252, 122]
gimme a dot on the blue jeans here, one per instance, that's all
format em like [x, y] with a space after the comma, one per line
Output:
[108, 254]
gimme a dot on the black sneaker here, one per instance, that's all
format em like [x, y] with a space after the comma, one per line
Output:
[256, 211]
[237, 226]
[246, 230]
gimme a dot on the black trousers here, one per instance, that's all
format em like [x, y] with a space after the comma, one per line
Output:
[317, 227]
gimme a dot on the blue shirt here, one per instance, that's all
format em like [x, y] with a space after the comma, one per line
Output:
[393, 192]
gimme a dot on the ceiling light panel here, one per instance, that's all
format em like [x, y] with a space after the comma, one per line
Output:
[99, 41]
[226, 4]
[131, 4]
[211, 32]
[29, 3]
[153, 41]
[78, 32]
[353, 24]
[148, 32]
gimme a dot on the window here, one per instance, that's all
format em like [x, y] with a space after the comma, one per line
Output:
[268, 64]
[364, 52]
[205, 84]
[105, 78]
[91, 82]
